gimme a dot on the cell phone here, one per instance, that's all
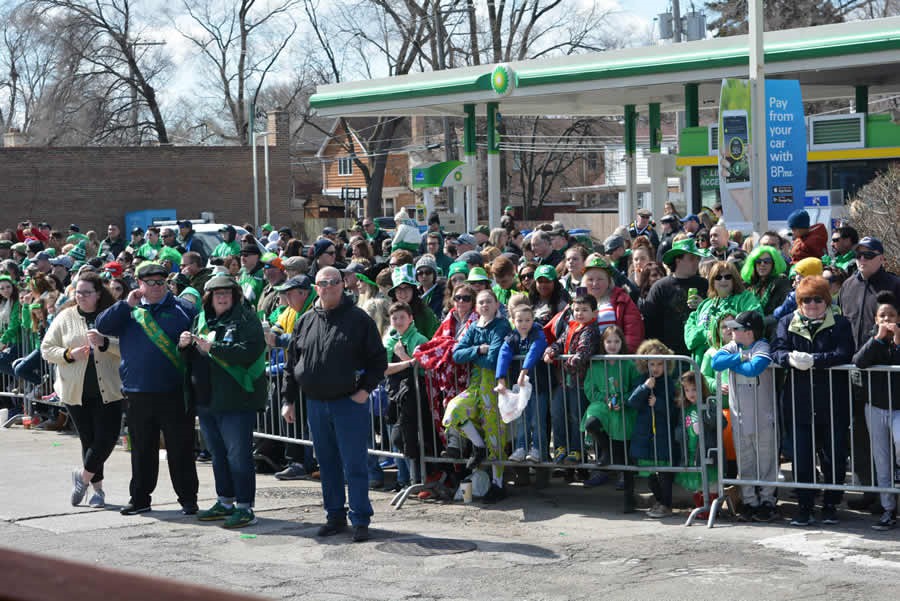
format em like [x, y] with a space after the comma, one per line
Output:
[736, 143]
[580, 291]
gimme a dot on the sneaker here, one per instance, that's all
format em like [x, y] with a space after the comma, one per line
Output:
[888, 520]
[98, 499]
[533, 455]
[659, 512]
[361, 534]
[204, 456]
[747, 512]
[803, 517]
[79, 488]
[189, 509]
[597, 479]
[331, 528]
[518, 455]
[829, 515]
[294, 471]
[494, 495]
[573, 457]
[132, 509]
[560, 455]
[478, 455]
[764, 513]
[387, 463]
[216, 512]
[240, 517]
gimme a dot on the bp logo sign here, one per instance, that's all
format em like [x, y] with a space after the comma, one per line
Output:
[458, 176]
[503, 80]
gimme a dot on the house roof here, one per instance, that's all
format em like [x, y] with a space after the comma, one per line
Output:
[828, 60]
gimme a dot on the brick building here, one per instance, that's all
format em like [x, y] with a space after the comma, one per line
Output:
[97, 186]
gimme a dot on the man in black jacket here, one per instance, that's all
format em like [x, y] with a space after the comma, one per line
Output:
[336, 358]
[857, 299]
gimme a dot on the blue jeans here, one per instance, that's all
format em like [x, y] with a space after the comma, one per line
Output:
[566, 409]
[29, 368]
[340, 433]
[531, 427]
[7, 356]
[229, 439]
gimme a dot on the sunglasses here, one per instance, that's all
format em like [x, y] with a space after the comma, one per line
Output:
[868, 255]
[153, 283]
[723, 276]
[328, 283]
[766, 261]
[463, 298]
[835, 240]
[527, 276]
[812, 299]
[739, 329]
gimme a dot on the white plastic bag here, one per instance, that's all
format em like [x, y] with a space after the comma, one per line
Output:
[513, 402]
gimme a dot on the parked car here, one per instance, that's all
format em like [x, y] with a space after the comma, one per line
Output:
[208, 234]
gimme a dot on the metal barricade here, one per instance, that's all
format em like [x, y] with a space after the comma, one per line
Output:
[30, 381]
[806, 444]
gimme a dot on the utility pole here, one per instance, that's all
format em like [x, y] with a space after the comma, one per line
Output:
[676, 21]
[442, 64]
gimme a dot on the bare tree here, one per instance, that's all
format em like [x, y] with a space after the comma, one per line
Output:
[116, 53]
[242, 42]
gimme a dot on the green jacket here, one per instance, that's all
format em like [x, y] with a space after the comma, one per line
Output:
[252, 284]
[702, 319]
[245, 345]
[617, 424]
[227, 249]
[10, 335]
[149, 251]
[426, 321]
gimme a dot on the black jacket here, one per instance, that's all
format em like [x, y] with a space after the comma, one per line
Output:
[858, 304]
[886, 386]
[333, 354]
[665, 310]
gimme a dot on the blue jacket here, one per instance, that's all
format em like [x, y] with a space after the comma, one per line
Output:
[144, 368]
[493, 335]
[643, 440]
[532, 347]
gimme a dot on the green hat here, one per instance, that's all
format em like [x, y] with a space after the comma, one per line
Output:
[478, 274]
[6, 278]
[149, 268]
[50, 251]
[79, 251]
[598, 262]
[507, 208]
[6, 243]
[779, 266]
[458, 267]
[548, 272]
[481, 229]
[267, 227]
[19, 247]
[404, 275]
[682, 247]
[169, 253]
[76, 238]
[220, 280]
[192, 292]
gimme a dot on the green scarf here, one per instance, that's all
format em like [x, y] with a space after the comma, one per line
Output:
[157, 336]
[374, 235]
[410, 339]
[244, 376]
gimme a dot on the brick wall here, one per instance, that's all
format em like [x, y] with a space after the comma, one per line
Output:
[96, 186]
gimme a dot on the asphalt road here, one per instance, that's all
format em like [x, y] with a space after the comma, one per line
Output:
[560, 543]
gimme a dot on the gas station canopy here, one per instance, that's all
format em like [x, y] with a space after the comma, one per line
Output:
[829, 61]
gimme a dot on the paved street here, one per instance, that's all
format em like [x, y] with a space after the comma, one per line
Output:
[561, 543]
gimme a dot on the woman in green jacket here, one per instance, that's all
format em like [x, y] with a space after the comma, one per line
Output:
[225, 379]
[726, 295]
[10, 324]
[764, 273]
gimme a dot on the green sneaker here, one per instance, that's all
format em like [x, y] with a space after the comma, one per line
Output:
[216, 512]
[240, 517]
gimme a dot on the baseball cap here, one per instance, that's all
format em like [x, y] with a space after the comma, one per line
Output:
[746, 320]
[294, 263]
[645, 213]
[872, 243]
[691, 217]
[667, 218]
[298, 281]
[328, 231]
[612, 243]
[185, 223]
[42, 256]
[137, 230]
[149, 268]
[481, 229]
[64, 261]
[466, 239]
[547, 272]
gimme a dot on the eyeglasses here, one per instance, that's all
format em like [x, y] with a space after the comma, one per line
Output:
[766, 261]
[152, 283]
[812, 299]
[723, 276]
[463, 298]
[329, 283]
[867, 255]
[168, 235]
[526, 276]
[85, 292]
[835, 240]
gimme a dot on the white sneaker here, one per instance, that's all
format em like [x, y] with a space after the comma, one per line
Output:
[534, 455]
[659, 511]
[518, 455]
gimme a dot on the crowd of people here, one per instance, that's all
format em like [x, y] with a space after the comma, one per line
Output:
[448, 325]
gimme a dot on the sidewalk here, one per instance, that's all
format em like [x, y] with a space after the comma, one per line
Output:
[563, 542]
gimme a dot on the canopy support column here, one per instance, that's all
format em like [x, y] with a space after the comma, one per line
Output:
[471, 206]
[493, 166]
[691, 105]
[862, 99]
[630, 205]
[656, 163]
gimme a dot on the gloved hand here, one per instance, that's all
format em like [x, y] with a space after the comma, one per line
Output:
[800, 360]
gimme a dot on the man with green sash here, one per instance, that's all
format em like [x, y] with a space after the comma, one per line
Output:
[148, 324]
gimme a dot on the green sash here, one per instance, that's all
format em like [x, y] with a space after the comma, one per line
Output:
[157, 336]
[244, 376]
